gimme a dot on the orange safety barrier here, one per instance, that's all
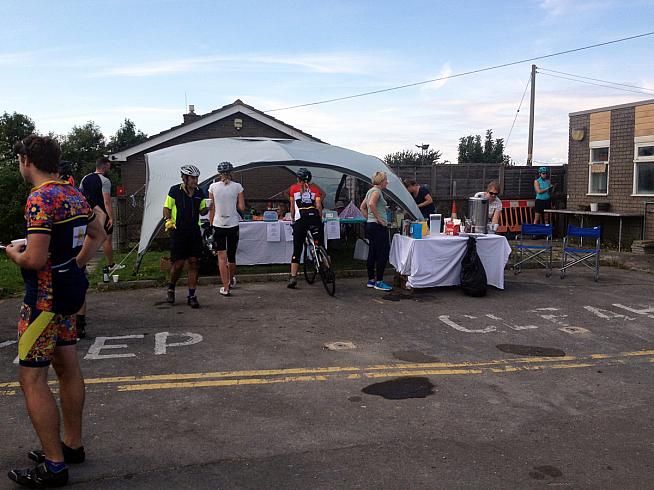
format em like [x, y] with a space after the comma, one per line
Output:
[514, 214]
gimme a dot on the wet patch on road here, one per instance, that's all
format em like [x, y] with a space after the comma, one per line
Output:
[413, 356]
[355, 399]
[401, 388]
[530, 350]
[540, 472]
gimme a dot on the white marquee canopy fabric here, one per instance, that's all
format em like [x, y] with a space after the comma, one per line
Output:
[163, 169]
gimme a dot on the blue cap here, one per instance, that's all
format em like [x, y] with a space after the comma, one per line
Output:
[543, 170]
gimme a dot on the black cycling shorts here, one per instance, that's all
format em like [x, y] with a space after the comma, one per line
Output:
[185, 244]
[300, 229]
[226, 239]
[108, 229]
[542, 204]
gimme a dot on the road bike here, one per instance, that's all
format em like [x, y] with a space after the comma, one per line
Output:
[318, 262]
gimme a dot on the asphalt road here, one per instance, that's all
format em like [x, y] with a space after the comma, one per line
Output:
[547, 383]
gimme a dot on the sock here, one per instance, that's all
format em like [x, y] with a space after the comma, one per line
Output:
[171, 286]
[81, 320]
[191, 292]
[55, 467]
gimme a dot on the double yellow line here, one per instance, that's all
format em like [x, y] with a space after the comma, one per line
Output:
[302, 375]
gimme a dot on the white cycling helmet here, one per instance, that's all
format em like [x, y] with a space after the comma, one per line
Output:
[190, 170]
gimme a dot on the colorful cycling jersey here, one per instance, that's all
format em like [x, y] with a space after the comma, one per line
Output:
[58, 209]
[305, 198]
[185, 209]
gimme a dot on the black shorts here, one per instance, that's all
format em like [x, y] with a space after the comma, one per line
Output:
[542, 205]
[300, 228]
[226, 239]
[108, 229]
[185, 244]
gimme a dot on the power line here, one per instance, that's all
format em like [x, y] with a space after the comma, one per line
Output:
[506, 144]
[595, 79]
[471, 72]
[596, 84]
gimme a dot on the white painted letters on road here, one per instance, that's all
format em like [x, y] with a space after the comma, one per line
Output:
[606, 314]
[646, 310]
[446, 320]
[161, 344]
[99, 344]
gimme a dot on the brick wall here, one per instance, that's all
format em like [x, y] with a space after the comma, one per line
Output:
[621, 175]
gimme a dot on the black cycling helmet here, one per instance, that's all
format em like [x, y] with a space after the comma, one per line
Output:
[190, 170]
[65, 167]
[225, 167]
[304, 174]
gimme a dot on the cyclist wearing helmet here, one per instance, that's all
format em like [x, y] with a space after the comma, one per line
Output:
[306, 212]
[226, 196]
[182, 209]
[543, 187]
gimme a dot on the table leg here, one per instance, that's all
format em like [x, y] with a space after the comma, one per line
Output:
[582, 225]
[620, 235]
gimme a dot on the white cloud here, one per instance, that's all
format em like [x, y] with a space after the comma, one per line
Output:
[335, 63]
[446, 71]
[557, 8]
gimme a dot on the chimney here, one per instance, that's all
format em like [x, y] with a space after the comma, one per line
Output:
[191, 116]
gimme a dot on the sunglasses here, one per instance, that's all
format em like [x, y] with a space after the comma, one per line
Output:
[494, 193]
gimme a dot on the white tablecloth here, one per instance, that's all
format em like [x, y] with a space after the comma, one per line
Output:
[255, 245]
[436, 261]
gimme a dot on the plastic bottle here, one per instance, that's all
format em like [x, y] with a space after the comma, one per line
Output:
[105, 274]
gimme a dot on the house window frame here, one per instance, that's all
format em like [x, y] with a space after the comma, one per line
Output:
[640, 142]
[594, 145]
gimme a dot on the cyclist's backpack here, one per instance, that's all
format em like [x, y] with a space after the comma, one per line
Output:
[473, 274]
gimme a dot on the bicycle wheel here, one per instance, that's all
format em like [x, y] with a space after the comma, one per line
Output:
[326, 272]
[309, 264]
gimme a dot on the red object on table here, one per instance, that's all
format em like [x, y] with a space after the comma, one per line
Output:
[453, 209]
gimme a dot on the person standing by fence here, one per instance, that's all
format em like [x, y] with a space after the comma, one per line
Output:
[543, 187]
[373, 208]
[422, 197]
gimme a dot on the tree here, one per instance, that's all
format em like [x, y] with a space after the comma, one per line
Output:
[472, 151]
[412, 158]
[126, 136]
[83, 145]
[13, 127]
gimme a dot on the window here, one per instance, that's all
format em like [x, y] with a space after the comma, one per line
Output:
[644, 168]
[598, 168]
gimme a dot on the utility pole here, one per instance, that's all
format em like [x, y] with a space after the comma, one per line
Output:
[530, 147]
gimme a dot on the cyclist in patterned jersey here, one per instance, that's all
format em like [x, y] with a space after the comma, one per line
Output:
[306, 212]
[62, 236]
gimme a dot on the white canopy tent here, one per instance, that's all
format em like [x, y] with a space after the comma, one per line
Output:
[163, 166]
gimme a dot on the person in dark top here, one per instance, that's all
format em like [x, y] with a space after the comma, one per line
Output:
[184, 204]
[422, 197]
[96, 187]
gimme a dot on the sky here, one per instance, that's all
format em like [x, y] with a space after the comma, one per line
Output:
[68, 62]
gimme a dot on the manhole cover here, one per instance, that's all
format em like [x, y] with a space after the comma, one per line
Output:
[401, 388]
[413, 356]
[339, 346]
[530, 350]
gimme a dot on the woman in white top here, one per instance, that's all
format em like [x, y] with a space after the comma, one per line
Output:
[494, 202]
[226, 196]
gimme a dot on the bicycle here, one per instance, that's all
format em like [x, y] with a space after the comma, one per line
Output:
[317, 262]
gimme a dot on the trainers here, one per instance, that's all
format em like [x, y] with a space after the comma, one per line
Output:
[292, 282]
[71, 456]
[116, 267]
[81, 332]
[171, 296]
[232, 283]
[370, 283]
[382, 286]
[192, 301]
[224, 292]
[39, 477]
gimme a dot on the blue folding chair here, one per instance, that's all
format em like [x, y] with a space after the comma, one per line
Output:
[538, 253]
[590, 257]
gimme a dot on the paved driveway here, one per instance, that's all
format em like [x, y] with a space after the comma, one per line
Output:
[548, 382]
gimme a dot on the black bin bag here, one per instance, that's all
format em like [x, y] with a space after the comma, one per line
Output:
[473, 274]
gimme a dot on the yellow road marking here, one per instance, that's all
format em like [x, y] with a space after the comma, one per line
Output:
[296, 375]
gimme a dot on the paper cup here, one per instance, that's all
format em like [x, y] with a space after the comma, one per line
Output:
[19, 242]
[115, 277]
